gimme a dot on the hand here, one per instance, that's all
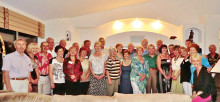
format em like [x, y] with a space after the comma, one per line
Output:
[174, 77]
[52, 85]
[110, 82]
[199, 93]
[9, 88]
[142, 78]
[209, 70]
[29, 87]
[72, 77]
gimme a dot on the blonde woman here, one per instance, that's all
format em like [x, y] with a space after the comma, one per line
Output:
[97, 68]
[32, 49]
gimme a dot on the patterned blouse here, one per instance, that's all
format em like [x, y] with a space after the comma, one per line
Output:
[213, 61]
[136, 68]
[43, 65]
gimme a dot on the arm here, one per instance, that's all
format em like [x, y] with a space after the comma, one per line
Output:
[170, 71]
[109, 79]
[159, 66]
[7, 80]
[90, 67]
[51, 76]
[103, 75]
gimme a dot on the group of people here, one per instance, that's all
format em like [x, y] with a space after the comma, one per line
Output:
[100, 71]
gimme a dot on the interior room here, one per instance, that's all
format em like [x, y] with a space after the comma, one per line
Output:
[117, 21]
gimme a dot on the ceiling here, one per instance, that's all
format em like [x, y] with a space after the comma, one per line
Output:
[51, 9]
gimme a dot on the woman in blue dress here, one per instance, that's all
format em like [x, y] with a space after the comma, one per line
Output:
[125, 82]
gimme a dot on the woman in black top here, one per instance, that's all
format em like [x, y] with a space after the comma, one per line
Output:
[185, 71]
[204, 88]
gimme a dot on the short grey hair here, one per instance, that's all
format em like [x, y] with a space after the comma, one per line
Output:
[19, 40]
[112, 49]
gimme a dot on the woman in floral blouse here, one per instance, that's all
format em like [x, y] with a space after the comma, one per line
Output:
[139, 72]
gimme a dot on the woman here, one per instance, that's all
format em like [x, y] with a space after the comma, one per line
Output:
[139, 72]
[194, 49]
[32, 49]
[125, 82]
[119, 48]
[176, 86]
[85, 66]
[213, 57]
[185, 71]
[165, 72]
[204, 88]
[57, 77]
[73, 70]
[97, 68]
[113, 70]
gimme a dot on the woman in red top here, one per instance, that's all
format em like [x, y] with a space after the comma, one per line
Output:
[73, 70]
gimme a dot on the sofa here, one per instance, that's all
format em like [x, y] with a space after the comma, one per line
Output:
[35, 97]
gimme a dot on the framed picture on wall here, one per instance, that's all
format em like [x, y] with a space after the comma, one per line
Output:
[68, 36]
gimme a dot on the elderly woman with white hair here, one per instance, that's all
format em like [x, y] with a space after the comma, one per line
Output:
[139, 72]
[113, 70]
[204, 88]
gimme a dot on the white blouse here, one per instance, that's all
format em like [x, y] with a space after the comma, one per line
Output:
[97, 63]
[176, 64]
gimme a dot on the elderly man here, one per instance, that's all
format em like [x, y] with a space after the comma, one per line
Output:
[50, 42]
[131, 50]
[16, 69]
[43, 66]
[158, 43]
[144, 44]
[63, 44]
[87, 44]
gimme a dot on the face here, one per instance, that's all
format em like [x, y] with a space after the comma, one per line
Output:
[196, 63]
[126, 56]
[72, 51]
[144, 43]
[192, 51]
[113, 53]
[212, 49]
[171, 49]
[60, 52]
[187, 43]
[50, 43]
[34, 50]
[20, 46]
[83, 53]
[63, 43]
[97, 48]
[139, 52]
[130, 48]
[151, 50]
[119, 49]
[183, 52]
[176, 52]
[102, 42]
[76, 45]
[164, 50]
[87, 44]
[44, 47]
[159, 43]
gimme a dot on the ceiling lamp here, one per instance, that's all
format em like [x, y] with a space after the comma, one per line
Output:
[156, 25]
[137, 24]
[118, 25]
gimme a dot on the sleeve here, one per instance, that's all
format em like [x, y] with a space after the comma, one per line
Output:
[205, 83]
[78, 71]
[205, 62]
[134, 68]
[51, 61]
[6, 63]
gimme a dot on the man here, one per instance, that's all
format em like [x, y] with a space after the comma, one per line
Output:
[158, 43]
[87, 44]
[16, 69]
[152, 61]
[43, 67]
[50, 42]
[76, 45]
[144, 44]
[63, 44]
[131, 50]
[188, 44]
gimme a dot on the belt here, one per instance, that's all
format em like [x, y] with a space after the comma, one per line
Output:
[18, 78]
[44, 75]
[153, 69]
